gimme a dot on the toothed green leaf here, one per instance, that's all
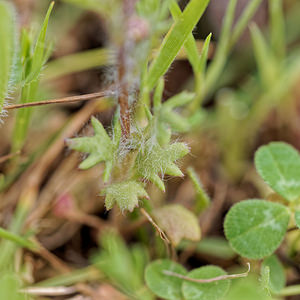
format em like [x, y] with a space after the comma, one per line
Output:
[125, 194]
[99, 147]
[154, 160]
[7, 48]
[178, 222]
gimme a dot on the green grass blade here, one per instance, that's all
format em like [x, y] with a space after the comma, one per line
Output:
[38, 58]
[190, 44]
[222, 50]
[202, 200]
[78, 62]
[277, 28]
[204, 55]
[17, 239]
[243, 21]
[31, 82]
[77, 276]
[175, 39]
[264, 58]
[7, 49]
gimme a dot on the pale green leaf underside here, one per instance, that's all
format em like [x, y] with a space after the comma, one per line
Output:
[178, 223]
[165, 286]
[205, 291]
[279, 165]
[7, 48]
[277, 274]
[126, 194]
[255, 228]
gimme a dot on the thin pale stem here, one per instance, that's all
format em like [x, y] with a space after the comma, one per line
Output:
[161, 233]
[71, 99]
[4, 158]
[218, 278]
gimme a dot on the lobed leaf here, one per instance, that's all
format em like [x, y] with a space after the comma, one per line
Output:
[205, 291]
[162, 285]
[154, 160]
[100, 147]
[255, 228]
[178, 223]
[279, 165]
[126, 194]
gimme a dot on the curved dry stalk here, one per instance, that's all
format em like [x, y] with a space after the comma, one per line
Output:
[218, 278]
[8, 156]
[71, 99]
[161, 233]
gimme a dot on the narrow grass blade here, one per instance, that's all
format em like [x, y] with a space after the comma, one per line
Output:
[78, 62]
[204, 55]
[277, 28]
[32, 69]
[38, 58]
[243, 21]
[190, 44]
[264, 57]
[222, 51]
[8, 49]
[202, 199]
[175, 39]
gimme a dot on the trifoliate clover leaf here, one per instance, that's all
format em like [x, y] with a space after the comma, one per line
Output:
[126, 194]
[100, 148]
[154, 160]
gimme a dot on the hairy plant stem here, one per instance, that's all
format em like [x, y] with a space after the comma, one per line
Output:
[128, 11]
[123, 94]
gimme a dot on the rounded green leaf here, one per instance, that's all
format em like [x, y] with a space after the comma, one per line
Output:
[205, 291]
[255, 228]
[165, 286]
[277, 277]
[279, 165]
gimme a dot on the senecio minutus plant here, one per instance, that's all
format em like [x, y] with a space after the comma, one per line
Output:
[142, 146]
